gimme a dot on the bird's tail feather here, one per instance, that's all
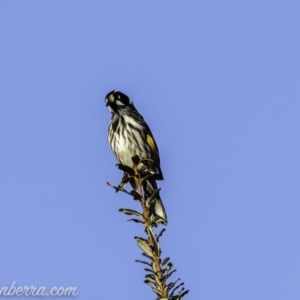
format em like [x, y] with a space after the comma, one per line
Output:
[150, 187]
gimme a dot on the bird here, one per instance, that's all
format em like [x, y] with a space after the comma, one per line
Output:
[130, 135]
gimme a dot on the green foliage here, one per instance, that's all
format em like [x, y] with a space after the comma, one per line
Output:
[159, 271]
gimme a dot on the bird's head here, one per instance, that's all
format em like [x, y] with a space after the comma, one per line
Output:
[116, 102]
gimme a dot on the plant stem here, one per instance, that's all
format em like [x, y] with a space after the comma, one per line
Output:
[161, 284]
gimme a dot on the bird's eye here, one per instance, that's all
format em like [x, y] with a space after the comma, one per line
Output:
[121, 99]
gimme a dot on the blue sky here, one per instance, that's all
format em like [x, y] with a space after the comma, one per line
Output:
[217, 82]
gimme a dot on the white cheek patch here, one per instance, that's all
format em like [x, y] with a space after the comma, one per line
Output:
[119, 103]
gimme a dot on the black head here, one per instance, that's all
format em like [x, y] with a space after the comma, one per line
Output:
[116, 101]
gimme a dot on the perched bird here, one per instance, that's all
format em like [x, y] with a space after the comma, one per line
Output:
[129, 135]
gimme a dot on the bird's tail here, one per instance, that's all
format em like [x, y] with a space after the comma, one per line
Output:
[150, 187]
